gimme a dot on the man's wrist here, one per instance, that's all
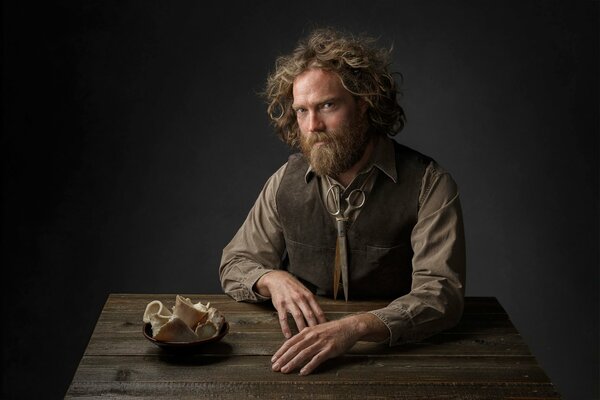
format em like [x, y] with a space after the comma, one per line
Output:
[262, 287]
[369, 328]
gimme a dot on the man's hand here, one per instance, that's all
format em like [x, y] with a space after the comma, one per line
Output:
[313, 345]
[290, 296]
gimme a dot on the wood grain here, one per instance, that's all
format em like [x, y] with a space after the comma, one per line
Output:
[484, 357]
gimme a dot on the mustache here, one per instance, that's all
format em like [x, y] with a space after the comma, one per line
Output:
[318, 136]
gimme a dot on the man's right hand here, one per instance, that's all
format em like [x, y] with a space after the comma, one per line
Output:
[290, 296]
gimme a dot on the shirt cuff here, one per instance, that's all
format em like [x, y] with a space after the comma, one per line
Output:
[401, 325]
[397, 321]
[246, 291]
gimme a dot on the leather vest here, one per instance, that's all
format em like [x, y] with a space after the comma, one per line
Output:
[379, 246]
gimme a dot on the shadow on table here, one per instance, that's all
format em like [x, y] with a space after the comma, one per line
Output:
[366, 353]
[382, 348]
[217, 351]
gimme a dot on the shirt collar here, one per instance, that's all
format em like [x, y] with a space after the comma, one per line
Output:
[383, 157]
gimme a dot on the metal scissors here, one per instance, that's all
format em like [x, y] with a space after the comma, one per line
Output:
[333, 202]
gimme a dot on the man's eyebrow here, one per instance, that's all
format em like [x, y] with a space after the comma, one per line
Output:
[321, 102]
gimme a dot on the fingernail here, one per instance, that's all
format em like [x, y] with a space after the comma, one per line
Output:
[302, 372]
[275, 366]
[273, 358]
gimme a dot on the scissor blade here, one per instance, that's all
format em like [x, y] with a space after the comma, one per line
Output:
[344, 264]
[336, 270]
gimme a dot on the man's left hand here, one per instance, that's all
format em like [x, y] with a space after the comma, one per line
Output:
[315, 344]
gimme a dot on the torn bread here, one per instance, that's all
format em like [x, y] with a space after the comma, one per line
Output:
[185, 310]
[175, 331]
[188, 322]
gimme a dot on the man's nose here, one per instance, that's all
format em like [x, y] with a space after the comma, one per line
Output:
[315, 123]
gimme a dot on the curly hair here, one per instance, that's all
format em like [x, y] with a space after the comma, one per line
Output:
[361, 67]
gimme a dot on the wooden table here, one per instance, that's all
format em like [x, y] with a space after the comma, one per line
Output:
[484, 357]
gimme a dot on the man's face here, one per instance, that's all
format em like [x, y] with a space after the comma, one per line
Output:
[333, 127]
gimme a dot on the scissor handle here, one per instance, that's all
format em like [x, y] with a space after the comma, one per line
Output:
[334, 190]
[360, 194]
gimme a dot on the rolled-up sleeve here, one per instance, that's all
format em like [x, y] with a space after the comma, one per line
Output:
[256, 248]
[436, 299]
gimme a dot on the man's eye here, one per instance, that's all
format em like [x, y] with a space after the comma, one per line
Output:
[327, 105]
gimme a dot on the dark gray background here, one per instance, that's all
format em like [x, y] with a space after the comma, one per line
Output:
[135, 143]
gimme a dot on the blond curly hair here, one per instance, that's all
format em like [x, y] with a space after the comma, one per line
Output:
[362, 68]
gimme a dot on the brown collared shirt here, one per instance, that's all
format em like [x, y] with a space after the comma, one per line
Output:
[435, 301]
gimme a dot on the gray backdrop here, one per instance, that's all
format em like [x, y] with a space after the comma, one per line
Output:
[135, 143]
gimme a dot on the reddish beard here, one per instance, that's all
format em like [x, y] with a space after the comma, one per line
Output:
[337, 151]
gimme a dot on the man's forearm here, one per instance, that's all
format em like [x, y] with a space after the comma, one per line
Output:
[256, 248]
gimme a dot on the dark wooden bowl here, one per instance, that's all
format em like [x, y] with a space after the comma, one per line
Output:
[184, 347]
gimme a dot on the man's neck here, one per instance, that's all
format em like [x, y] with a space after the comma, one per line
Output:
[346, 177]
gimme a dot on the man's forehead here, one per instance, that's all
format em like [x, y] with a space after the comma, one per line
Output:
[317, 85]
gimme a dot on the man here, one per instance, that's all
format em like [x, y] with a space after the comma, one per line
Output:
[334, 99]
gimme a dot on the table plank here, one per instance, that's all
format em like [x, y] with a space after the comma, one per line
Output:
[300, 390]
[434, 375]
[267, 321]
[366, 369]
[266, 343]
[119, 302]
